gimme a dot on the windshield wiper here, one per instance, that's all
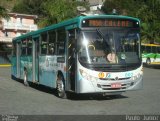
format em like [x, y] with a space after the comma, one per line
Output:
[101, 34]
[105, 41]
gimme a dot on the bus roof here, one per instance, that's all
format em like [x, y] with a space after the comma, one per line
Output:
[75, 21]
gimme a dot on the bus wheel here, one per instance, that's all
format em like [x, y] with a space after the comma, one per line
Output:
[25, 81]
[61, 87]
[148, 61]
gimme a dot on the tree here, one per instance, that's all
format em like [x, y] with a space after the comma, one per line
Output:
[59, 10]
[28, 7]
[123, 7]
[5, 7]
[49, 11]
[3, 12]
[146, 10]
[149, 14]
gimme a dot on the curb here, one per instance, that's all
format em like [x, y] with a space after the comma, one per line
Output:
[5, 65]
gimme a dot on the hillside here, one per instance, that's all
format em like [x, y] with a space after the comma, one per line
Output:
[8, 4]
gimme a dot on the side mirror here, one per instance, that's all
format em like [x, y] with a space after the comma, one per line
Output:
[60, 59]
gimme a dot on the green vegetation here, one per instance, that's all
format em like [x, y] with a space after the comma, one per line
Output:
[3, 12]
[49, 11]
[3, 9]
[148, 12]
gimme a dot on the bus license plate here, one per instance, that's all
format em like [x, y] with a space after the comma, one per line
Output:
[116, 85]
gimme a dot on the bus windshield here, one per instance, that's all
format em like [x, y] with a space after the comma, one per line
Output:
[109, 47]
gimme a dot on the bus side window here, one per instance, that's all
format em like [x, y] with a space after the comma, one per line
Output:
[14, 49]
[29, 46]
[61, 42]
[154, 49]
[24, 47]
[52, 41]
[143, 49]
[158, 49]
[148, 49]
[44, 43]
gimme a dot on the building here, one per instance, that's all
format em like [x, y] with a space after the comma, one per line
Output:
[16, 25]
[95, 6]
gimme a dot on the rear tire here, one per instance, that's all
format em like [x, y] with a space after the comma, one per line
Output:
[25, 80]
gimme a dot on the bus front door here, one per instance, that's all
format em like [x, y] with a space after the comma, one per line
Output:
[35, 60]
[71, 60]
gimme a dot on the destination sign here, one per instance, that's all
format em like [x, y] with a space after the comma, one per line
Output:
[109, 23]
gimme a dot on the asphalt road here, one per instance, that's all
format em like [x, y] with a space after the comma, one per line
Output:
[16, 99]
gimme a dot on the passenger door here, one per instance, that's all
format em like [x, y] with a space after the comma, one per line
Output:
[35, 59]
[71, 59]
[18, 61]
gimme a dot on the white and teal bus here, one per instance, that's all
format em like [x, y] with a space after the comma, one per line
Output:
[87, 54]
[150, 54]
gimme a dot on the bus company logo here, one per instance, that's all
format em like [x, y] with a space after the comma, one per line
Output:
[101, 75]
[116, 79]
[108, 75]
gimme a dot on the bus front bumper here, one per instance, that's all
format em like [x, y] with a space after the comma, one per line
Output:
[85, 86]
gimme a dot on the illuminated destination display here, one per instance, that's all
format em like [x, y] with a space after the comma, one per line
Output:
[109, 23]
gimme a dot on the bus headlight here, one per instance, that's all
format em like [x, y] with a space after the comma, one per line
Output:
[136, 77]
[87, 76]
[83, 73]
